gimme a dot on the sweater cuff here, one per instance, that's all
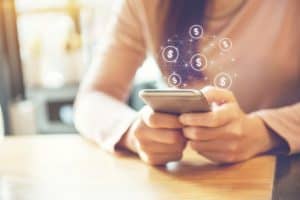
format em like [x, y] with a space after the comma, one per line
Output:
[279, 127]
[109, 140]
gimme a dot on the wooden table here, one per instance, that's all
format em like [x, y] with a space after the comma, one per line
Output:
[68, 167]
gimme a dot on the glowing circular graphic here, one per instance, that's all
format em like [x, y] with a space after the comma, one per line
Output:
[225, 44]
[223, 80]
[170, 53]
[196, 31]
[174, 80]
[198, 62]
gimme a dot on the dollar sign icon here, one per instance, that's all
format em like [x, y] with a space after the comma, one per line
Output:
[225, 44]
[170, 54]
[222, 82]
[198, 62]
[174, 79]
[196, 31]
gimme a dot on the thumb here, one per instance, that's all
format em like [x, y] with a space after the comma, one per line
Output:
[218, 95]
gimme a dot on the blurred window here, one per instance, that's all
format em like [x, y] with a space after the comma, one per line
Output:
[50, 42]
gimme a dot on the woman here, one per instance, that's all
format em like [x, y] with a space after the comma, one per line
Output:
[261, 111]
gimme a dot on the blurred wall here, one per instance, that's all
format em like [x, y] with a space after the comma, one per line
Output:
[1, 124]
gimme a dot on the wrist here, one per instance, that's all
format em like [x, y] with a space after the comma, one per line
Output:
[267, 138]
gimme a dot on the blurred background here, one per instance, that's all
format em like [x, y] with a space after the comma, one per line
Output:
[46, 46]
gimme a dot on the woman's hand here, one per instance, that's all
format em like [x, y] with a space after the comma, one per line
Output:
[156, 137]
[226, 134]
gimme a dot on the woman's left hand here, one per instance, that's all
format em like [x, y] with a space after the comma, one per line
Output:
[226, 134]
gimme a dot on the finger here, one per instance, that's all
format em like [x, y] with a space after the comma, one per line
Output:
[159, 148]
[226, 132]
[160, 120]
[218, 95]
[220, 157]
[165, 136]
[204, 134]
[220, 116]
[159, 159]
[224, 146]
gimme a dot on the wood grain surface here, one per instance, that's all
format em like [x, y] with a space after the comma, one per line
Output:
[69, 167]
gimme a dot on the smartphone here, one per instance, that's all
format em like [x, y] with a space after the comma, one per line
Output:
[175, 101]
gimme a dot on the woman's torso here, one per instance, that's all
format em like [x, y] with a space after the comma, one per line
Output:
[264, 61]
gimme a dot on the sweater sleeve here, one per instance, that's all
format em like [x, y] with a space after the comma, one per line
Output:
[99, 116]
[285, 122]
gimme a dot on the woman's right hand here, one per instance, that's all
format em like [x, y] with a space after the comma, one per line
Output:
[156, 137]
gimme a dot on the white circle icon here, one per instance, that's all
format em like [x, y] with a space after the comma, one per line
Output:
[196, 31]
[198, 62]
[174, 80]
[225, 44]
[223, 80]
[170, 53]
